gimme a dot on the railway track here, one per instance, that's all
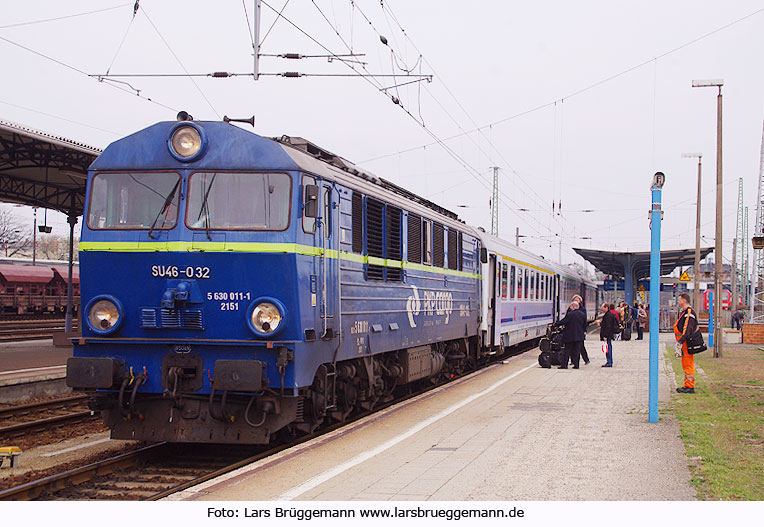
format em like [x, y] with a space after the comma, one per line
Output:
[157, 471]
[19, 420]
[14, 330]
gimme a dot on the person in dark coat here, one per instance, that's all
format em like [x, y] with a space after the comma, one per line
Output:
[608, 327]
[573, 335]
[582, 308]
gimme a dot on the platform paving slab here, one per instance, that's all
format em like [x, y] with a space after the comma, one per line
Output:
[544, 434]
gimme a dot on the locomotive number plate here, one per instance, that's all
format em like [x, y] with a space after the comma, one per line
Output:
[174, 271]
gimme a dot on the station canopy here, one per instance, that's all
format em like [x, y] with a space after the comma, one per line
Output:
[43, 170]
[614, 263]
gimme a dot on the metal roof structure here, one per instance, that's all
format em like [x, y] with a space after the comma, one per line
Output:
[43, 170]
[614, 263]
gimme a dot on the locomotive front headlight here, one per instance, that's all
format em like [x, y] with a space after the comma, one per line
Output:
[186, 141]
[104, 315]
[266, 318]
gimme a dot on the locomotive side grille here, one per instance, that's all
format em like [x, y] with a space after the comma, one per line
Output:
[357, 223]
[437, 245]
[375, 236]
[170, 318]
[148, 318]
[192, 319]
[453, 249]
[415, 238]
[393, 241]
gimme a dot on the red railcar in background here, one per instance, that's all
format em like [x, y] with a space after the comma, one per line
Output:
[29, 289]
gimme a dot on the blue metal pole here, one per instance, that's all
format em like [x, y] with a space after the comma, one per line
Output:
[711, 319]
[655, 293]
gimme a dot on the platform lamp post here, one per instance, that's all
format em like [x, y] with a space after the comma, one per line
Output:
[656, 216]
[717, 83]
[696, 284]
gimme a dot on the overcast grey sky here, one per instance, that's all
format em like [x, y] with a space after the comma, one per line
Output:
[596, 150]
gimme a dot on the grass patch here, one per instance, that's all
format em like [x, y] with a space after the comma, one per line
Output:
[722, 424]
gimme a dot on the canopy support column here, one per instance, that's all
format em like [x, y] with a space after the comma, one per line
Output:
[72, 220]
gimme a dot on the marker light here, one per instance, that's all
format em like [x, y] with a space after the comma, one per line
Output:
[186, 142]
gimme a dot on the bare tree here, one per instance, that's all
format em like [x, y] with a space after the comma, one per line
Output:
[14, 237]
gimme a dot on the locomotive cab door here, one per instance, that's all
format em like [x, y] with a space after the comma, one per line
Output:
[327, 238]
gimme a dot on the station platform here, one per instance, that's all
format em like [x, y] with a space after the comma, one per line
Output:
[32, 368]
[513, 431]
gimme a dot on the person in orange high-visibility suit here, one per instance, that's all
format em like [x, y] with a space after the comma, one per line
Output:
[686, 325]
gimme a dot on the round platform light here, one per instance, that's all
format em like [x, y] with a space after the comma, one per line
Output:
[104, 314]
[186, 142]
[266, 317]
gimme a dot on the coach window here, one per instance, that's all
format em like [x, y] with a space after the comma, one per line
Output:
[519, 283]
[538, 285]
[503, 281]
[533, 286]
[512, 281]
[426, 242]
[525, 284]
[542, 292]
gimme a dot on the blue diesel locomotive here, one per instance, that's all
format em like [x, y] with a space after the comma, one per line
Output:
[241, 289]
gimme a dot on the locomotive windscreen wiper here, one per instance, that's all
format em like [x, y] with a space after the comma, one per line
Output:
[206, 208]
[166, 204]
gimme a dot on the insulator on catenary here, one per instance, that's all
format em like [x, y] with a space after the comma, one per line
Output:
[221, 74]
[291, 74]
[292, 56]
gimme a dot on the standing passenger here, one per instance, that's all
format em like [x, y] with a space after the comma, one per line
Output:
[641, 321]
[608, 328]
[573, 335]
[582, 308]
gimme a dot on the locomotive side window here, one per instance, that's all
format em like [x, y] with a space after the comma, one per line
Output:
[357, 223]
[238, 201]
[308, 224]
[414, 238]
[426, 237]
[504, 281]
[512, 281]
[327, 212]
[134, 200]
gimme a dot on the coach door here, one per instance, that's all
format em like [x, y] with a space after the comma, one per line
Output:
[556, 297]
[491, 286]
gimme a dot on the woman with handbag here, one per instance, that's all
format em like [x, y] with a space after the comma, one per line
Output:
[685, 326]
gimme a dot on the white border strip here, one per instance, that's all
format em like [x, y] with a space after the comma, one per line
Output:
[339, 469]
[30, 370]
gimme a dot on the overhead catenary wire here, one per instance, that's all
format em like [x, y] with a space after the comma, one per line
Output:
[579, 91]
[64, 17]
[131, 91]
[180, 63]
